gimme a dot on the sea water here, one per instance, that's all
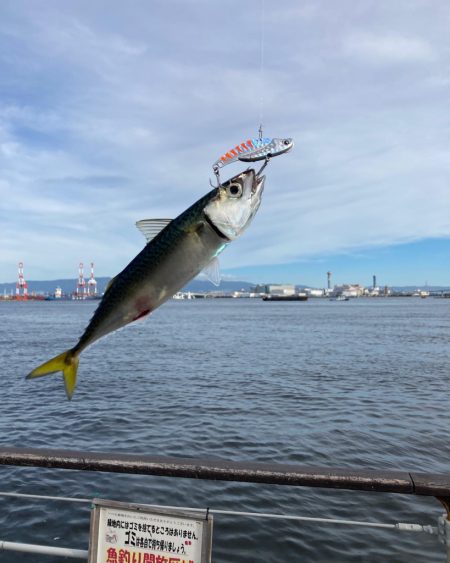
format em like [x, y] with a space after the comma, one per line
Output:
[362, 384]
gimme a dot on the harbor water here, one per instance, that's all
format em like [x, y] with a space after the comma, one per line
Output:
[362, 384]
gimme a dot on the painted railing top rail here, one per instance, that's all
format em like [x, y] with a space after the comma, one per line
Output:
[403, 482]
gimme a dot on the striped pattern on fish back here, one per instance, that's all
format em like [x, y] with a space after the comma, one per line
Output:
[244, 148]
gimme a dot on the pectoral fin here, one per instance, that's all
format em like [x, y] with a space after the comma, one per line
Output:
[212, 271]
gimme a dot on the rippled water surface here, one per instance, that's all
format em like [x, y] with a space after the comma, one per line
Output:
[361, 384]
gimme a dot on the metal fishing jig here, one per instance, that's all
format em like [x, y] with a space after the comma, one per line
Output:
[253, 150]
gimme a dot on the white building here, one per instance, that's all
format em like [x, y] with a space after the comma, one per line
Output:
[312, 292]
[280, 289]
[349, 290]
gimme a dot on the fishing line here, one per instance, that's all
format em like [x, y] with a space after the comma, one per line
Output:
[261, 69]
[259, 148]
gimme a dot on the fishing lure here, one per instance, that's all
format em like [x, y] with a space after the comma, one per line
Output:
[253, 150]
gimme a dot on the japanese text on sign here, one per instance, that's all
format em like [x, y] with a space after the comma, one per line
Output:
[136, 535]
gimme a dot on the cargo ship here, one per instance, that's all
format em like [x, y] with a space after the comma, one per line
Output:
[295, 297]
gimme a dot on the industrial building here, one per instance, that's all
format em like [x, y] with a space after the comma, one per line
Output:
[279, 289]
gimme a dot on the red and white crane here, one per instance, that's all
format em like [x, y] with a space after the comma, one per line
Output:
[81, 285]
[92, 283]
[21, 285]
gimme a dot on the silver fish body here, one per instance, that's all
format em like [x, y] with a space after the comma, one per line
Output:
[175, 256]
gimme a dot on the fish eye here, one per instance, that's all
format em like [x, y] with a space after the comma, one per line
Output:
[286, 141]
[234, 190]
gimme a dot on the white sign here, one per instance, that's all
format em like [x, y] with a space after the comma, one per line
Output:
[133, 533]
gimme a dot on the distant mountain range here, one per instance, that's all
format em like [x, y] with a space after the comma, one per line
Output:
[408, 288]
[68, 286]
[197, 285]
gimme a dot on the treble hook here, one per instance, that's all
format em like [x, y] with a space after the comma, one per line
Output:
[266, 162]
[216, 172]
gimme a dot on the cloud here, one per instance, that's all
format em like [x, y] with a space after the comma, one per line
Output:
[387, 49]
[108, 117]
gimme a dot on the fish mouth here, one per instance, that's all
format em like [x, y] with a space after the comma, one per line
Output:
[256, 193]
[258, 185]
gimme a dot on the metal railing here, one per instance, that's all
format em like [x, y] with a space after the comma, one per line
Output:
[399, 482]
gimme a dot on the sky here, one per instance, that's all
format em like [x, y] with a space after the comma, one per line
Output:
[112, 112]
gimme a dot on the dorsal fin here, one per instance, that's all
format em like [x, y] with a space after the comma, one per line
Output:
[152, 227]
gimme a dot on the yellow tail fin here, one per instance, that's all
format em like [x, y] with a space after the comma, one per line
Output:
[67, 362]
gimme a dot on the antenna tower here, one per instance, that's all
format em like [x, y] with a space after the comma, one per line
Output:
[329, 280]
